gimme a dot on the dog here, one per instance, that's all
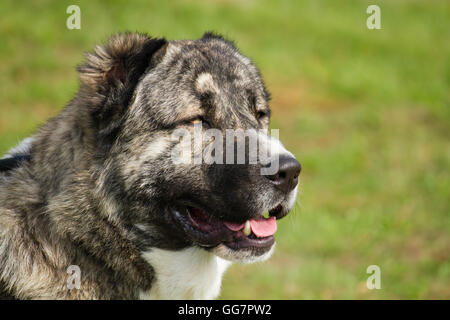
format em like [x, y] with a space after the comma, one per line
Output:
[93, 205]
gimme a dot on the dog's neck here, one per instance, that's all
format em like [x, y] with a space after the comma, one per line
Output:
[62, 154]
[191, 273]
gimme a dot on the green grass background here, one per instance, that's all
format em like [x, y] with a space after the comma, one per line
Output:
[365, 111]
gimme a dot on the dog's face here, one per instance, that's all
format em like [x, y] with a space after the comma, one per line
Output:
[198, 87]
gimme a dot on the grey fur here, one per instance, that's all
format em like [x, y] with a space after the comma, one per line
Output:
[92, 193]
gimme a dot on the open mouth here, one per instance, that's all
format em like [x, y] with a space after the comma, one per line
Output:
[208, 231]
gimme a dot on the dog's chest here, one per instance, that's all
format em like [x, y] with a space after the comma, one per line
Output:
[191, 273]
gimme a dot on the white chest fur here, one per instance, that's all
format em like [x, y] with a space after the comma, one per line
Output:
[192, 273]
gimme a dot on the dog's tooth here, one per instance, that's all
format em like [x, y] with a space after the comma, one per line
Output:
[247, 231]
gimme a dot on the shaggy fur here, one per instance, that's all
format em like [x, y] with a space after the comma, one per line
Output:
[96, 188]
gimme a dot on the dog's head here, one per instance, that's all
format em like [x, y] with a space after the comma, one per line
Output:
[150, 99]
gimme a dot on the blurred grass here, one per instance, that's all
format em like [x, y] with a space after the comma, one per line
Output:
[365, 111]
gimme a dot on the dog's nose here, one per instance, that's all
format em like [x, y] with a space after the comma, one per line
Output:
[286, 178]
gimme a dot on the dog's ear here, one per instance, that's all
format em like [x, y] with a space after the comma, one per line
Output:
[112, 71]
[211, 35]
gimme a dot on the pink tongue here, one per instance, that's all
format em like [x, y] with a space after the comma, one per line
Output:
[263, 227]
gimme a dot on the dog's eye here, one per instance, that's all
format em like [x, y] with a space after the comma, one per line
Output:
[199, 120]
[196, 120]
[261, 114]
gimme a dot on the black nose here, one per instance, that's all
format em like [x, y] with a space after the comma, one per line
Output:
[286, 179]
